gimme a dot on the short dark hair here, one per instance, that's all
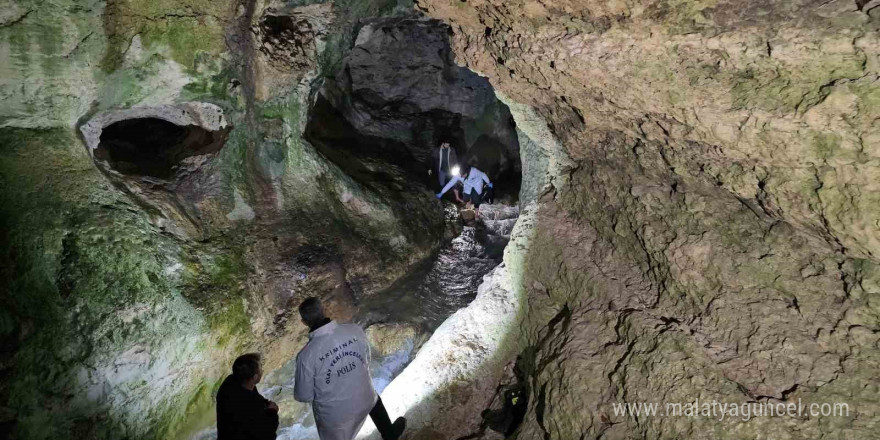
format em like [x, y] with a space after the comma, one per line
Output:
[311, 311]
[246, 366]
[466, 168]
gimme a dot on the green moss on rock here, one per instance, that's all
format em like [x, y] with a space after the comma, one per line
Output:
[94, 295]
[825, 145]
[186, 27]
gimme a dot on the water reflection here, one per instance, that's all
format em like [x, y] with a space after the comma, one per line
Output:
[425, 298]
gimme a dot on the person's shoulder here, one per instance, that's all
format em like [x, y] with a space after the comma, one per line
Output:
[352, 329]
[227, 387]
[304, 351]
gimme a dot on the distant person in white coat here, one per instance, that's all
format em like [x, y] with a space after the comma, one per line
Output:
[333, 374]
[472, 180]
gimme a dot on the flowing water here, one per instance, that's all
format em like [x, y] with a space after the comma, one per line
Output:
[438, 288]
[424, 299]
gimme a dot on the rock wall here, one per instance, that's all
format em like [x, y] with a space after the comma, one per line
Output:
[703, 173]
[397, 96]
[709, 228]
[130, 285]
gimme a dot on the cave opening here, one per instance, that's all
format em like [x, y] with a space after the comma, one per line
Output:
[154, 147]
[397, 97]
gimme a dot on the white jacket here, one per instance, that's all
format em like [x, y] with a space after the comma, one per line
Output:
[474, 180]
[333, 373]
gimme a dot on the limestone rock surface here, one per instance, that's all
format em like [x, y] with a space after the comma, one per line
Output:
[397, 96]
[706, 175]
[161, 212]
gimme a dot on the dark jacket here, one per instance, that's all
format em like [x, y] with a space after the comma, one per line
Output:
[435, 159]
[243, 414]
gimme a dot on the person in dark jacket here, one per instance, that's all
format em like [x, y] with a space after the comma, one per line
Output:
[242, 412]
[443, 159]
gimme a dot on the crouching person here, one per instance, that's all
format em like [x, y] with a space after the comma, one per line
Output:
[332, 372]
[472, 179]
[242, 412]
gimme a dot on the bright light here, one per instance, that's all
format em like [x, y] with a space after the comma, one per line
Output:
[455, 170]
[468, 351]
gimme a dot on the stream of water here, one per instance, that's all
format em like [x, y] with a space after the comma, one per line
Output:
[424, 299]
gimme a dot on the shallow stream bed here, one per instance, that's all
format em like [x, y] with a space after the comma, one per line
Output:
[404, 316]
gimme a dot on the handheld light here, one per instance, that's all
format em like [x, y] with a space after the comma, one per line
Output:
[455, 170]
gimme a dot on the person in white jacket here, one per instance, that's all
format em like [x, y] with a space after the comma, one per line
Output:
[472, 180]
[333, 374]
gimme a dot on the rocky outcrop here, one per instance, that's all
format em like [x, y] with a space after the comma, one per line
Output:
[387, 339]
[700, 183]
[454, 375]
[710, 229]
[399, 95]
[160, 155]
[161, 212]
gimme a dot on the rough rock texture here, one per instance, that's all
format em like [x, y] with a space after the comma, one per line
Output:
[131, 284]
[386, 339]
[710, 230]
[703, 221]
[397, 96]
[161, 155]
[454, 375]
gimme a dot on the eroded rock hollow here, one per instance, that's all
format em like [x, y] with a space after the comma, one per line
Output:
[398, 96]
[687, 212]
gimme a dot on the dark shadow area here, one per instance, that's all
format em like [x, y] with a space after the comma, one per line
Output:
[288, 40]
[397, 97]
[490, 155]
[449, 280]
[154, 147]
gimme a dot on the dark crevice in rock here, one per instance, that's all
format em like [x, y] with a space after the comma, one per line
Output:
[509, 405]
[153, 147]
[540, 407]
[531, 367]
[399, 95]
[16, 20]
[287, 40]
[868, 6]
[787, 392]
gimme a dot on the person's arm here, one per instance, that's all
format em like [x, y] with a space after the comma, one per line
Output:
[304, 382]
[485, 178]
[451, 183]
[270, 424]
[262, 422]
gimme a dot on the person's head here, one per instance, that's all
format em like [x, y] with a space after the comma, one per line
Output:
[444, 145]
[312, 312]
[247, 369]
[465, 169]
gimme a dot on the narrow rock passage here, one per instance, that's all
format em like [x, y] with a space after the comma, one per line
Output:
[449, 282]
[413, 307]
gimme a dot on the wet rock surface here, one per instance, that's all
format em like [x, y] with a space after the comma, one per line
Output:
[141, 258]
[702, 236]
[454, 377]
[397, 96]
[449, 281]
[701, 182]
